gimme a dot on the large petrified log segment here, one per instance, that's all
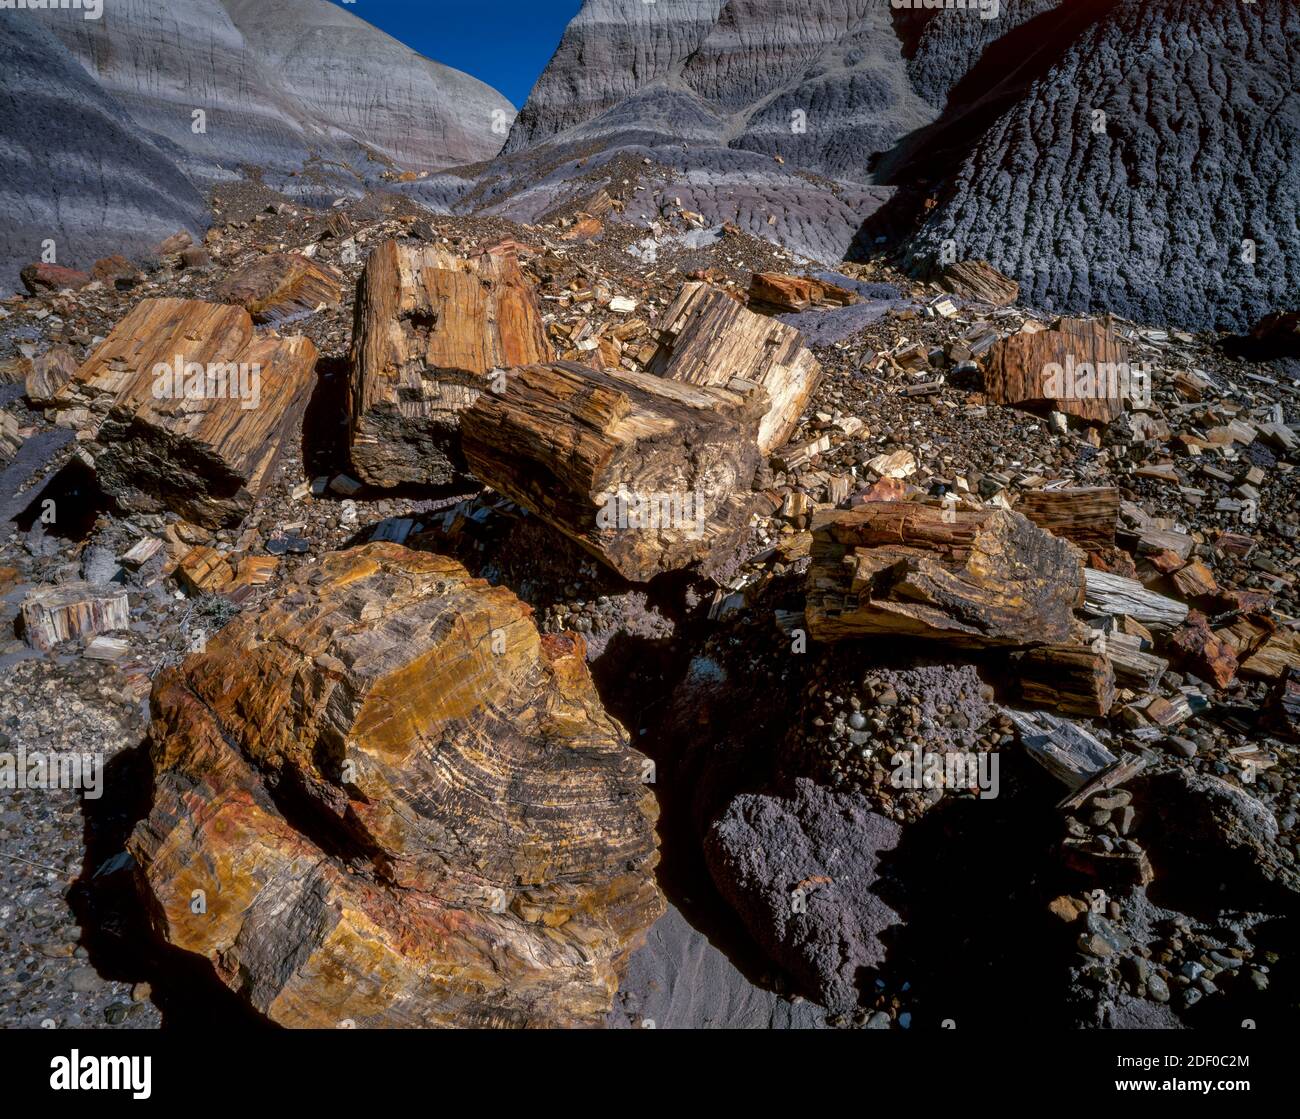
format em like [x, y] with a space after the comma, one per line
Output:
[430, 328]
[1069, 679]
[968, 578]
[387, 799]
[191, 409]
[1078, 366]
[707, 338]
[647, 474]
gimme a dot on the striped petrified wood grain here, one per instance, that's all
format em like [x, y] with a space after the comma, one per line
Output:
[388, 800]
[430, 328]
[1086, 515]
[279, 287]
[708, 338]
[563, 439]
[987, 577]
[207, 451]
[1087, 384]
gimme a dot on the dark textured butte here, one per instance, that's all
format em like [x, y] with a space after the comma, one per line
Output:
[1200, 151]
[995, 117]
[400, 806]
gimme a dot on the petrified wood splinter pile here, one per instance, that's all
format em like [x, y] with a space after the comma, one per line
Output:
[388, 801]
[430, 329]
[983, 578]
[189, 408]
[647, 474]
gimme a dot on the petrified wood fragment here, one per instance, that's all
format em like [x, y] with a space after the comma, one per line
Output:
[797, 293]
[1067, 679]
[1078, 366]
[707, 338]
[1114, 596]
[647, 474]
[430, 329]
[969, 578]
[191, 409]
[386, 800]
[52, 615]
[1086, 515]
[280, 287]
[977, 279]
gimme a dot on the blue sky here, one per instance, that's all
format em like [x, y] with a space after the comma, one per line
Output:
[505, 43]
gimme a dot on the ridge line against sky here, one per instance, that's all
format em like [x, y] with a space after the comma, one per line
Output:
[505, 43]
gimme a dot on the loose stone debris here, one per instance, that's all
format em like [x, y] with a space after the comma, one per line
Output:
[515, 485]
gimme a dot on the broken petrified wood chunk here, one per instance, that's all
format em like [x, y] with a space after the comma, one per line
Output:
[1069, 679]
[192, 409]
[979, 280]
[1114, 596]
[1203, 652]
[970, 578]
[707, 338]
[1085, 515]
[280, 287]
[52, 615]
[797, 293]
[49, 373]
[1064, 749]
[649, 475]
[398, 805]
[430, 329]
[1077, 366]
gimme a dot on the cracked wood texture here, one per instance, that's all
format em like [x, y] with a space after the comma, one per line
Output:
[402, 805]
[1018, 370]
[707, 338]
[1085, 515]
[430, 327]
[562, 438]
[988, 578]
[278, 287]
[209, 452]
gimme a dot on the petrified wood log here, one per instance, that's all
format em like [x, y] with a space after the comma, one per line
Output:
[279, 287]
[1133, 665]
[1077, 366]
[1085, 515]
[969, 578]
[707, 338]
[386, 800]
[649, 475]
[190, 407]
[1064, 749]
[52, 615]
[430, 329]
